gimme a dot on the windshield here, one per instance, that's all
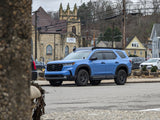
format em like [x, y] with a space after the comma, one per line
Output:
[78, 55]
[151, 60]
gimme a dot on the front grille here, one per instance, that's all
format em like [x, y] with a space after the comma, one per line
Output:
[54, 67]
[54, 76]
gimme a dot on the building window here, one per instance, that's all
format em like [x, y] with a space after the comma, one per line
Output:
[129, 52]
[135, 44]
[141, 53]
[134, 52]
[74, 29]
[31, 46]
[66, 50]
[49, 50]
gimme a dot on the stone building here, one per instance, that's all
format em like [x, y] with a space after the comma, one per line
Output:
[55, 38]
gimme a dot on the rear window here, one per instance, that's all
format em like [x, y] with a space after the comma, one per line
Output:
[121, 54]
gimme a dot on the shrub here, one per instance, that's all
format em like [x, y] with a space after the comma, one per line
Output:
[144, 68]
[154, 69]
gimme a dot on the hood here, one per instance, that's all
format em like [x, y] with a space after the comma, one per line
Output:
[63, 61]
[154, 63]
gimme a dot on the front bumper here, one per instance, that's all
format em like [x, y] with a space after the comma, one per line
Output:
[59, 75]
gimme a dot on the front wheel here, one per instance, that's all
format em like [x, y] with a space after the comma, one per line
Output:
[121, 77]
[55, 82]
[82, 78]
[95, 82]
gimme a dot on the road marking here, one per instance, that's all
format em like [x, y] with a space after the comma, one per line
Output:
[155, 109]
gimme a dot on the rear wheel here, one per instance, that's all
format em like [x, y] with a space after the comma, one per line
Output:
[121, 77]
[82, 78]
[95, 82]
[55, 82]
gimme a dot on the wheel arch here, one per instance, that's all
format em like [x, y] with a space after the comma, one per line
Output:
[83, 66]
[122, 66]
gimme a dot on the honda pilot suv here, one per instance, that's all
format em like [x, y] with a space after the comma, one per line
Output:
[90, 64]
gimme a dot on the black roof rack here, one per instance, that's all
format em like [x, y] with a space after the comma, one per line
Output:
[92, 48]
[82, 48]
[104, 48]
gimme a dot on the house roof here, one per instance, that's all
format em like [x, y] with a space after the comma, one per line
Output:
[46, 24]
[155, 31]
[129, 46]
[118, 45]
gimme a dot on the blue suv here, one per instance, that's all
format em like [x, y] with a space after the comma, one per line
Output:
[90, 64]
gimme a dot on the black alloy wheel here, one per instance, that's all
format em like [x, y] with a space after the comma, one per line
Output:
[121, 77]
[82, 78]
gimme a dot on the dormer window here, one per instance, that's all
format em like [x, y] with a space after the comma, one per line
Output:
[135, 44]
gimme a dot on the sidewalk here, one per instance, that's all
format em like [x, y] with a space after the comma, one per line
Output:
[129, 80]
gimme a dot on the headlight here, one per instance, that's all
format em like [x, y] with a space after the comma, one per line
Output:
[68, 64]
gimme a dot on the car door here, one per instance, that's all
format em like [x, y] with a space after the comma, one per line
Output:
[98, 66]
[110, 62]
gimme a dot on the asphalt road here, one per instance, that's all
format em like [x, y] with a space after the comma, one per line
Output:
[106, 96]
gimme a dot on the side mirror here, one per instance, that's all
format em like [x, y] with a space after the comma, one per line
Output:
[93, 58]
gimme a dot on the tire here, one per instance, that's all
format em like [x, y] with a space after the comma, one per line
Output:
[82, 78]
[55, 82]
[121, 77]
[95, 82]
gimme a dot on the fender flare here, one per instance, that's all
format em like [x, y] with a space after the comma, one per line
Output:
[82, 66]
[121, 66]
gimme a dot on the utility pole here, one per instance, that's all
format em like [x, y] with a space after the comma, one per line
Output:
[124, 22]
[94, 41]
[54, 47]
[112, 34]
[35, 27]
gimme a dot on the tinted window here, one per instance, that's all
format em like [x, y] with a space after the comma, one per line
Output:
[109, 55]
[121, 54]
[99, 55]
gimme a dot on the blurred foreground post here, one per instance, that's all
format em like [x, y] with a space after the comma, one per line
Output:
[15, 53]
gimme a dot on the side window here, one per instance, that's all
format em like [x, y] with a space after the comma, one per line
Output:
[109, 55]
[49, 50]
[98, 55]
[121, 54]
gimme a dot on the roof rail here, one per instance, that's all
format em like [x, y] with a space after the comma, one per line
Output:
[105, 48]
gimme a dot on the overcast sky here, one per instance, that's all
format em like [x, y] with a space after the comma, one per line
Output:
[53, 5]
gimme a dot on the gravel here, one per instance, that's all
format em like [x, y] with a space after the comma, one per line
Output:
[102, 115]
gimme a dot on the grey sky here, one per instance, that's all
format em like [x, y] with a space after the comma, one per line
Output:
[53, 5]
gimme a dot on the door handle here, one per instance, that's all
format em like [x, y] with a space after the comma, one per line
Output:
[102, 62]
[116, 62]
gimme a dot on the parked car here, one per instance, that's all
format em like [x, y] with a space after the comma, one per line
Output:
[87, 63]
[40, 65]
[34, 70]
[151, 62]
[136, 61]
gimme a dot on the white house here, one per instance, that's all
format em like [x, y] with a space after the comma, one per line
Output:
[155, 37]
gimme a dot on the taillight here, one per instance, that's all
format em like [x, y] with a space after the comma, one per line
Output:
[34, 65]
[130, 61]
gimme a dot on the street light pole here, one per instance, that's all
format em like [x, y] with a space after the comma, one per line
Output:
[124, 22]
